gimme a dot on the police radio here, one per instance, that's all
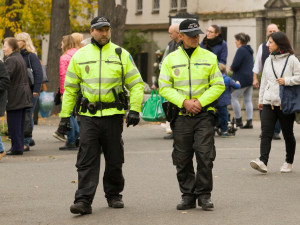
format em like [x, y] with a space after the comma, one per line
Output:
[122, 95]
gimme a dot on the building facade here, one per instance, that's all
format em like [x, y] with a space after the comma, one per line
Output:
[152, 17]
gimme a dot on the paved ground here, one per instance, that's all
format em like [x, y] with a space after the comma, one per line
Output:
[38, 188]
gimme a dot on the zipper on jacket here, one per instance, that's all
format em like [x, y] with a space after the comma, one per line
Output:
[190, 76]
[100, 78]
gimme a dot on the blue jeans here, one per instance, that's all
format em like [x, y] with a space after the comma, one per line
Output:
[247, 95]
[1, 145]
[34, 101]
[73, 134]
[223, 117]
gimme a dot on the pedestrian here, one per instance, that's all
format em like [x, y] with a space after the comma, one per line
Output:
[214, 42]
[68, 47]
[262, 54]
[29, 54]
[224, 100]
[4, 85]
[78, 38]
[282, 56]
[242, 71]
[191, 80]
[172, 46]
[100, 70]
[19, 96]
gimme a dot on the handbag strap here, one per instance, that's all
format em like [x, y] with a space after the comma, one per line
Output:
[29, 62]
[282, 69]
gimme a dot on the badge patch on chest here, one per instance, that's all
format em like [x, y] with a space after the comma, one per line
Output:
[177, 72]
[87, 69]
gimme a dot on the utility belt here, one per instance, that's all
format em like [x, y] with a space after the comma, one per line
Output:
[93, 107]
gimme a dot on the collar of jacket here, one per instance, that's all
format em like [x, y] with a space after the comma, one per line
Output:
[184, 52]
[12, 54]
[94, 42]
[280, 56]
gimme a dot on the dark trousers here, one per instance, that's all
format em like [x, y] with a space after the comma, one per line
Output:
[277, 125]
[100, 135]
[15, 122]
[194, 135]
[223, 117]
[268, 120]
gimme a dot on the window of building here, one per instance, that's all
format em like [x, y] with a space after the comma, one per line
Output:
[139, 6]
[183, 5]
[124, 3]
[174, 5]
[155, 6]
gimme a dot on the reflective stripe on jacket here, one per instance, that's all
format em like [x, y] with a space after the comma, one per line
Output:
[197, 77]
[95, 72]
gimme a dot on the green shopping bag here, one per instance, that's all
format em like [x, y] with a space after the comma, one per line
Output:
[152, 109]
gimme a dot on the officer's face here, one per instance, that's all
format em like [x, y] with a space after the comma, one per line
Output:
[101, 35]
[190, 42]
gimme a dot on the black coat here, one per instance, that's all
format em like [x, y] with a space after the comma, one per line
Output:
[4, 84]
[19, 93]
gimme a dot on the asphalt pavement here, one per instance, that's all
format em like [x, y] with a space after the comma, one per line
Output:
[39, 187]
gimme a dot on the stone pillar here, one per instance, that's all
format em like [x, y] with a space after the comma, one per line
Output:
[297, 31]
[260, 28]
[289, 24]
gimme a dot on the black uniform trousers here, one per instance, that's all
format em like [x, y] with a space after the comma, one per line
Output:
[100, 135]
[194, 135]
[269, 117]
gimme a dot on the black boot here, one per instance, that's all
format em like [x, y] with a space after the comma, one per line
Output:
[186, 203]
[248, 125]
[115, 202]
[81, 208]
[205, 203]
[239, 122]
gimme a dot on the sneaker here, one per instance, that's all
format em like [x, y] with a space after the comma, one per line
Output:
[286, 168]
[59, 136]
[259, 165]
[2, 154]
[226, 135]
[276, 137]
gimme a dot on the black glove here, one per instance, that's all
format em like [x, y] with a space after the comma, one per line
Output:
[133, 118]
[64, 125]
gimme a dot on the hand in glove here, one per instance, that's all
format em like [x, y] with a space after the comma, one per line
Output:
[64, 125]
[133, 118]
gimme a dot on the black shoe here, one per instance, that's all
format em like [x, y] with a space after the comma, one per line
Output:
[77, 142]
[239, 122]
[248, 125]
[115, 203]
[81, 208]
[59, 136]
[32, 143]
[26, 149]
[169, 137]
[276, 137]
[186, 204]
[68, 146]
[205, 203]
[10, 152]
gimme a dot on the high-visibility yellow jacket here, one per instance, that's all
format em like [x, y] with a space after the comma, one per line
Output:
[196, 77]
[95, 72]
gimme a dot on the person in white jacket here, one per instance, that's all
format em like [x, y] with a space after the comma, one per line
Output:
[269, 101]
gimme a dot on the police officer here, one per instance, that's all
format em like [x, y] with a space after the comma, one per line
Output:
[191, 80]
[100, 70]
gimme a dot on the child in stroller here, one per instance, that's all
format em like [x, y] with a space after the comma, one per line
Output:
[224, 100]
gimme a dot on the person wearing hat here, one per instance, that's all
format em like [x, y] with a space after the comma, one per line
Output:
[191, 80]
[100, 70]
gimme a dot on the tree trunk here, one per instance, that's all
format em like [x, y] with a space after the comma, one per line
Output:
[59, 26]
[116, 15]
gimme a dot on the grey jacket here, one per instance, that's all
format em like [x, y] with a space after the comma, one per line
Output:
[19, 93]
[4, 84]
[269, 88]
